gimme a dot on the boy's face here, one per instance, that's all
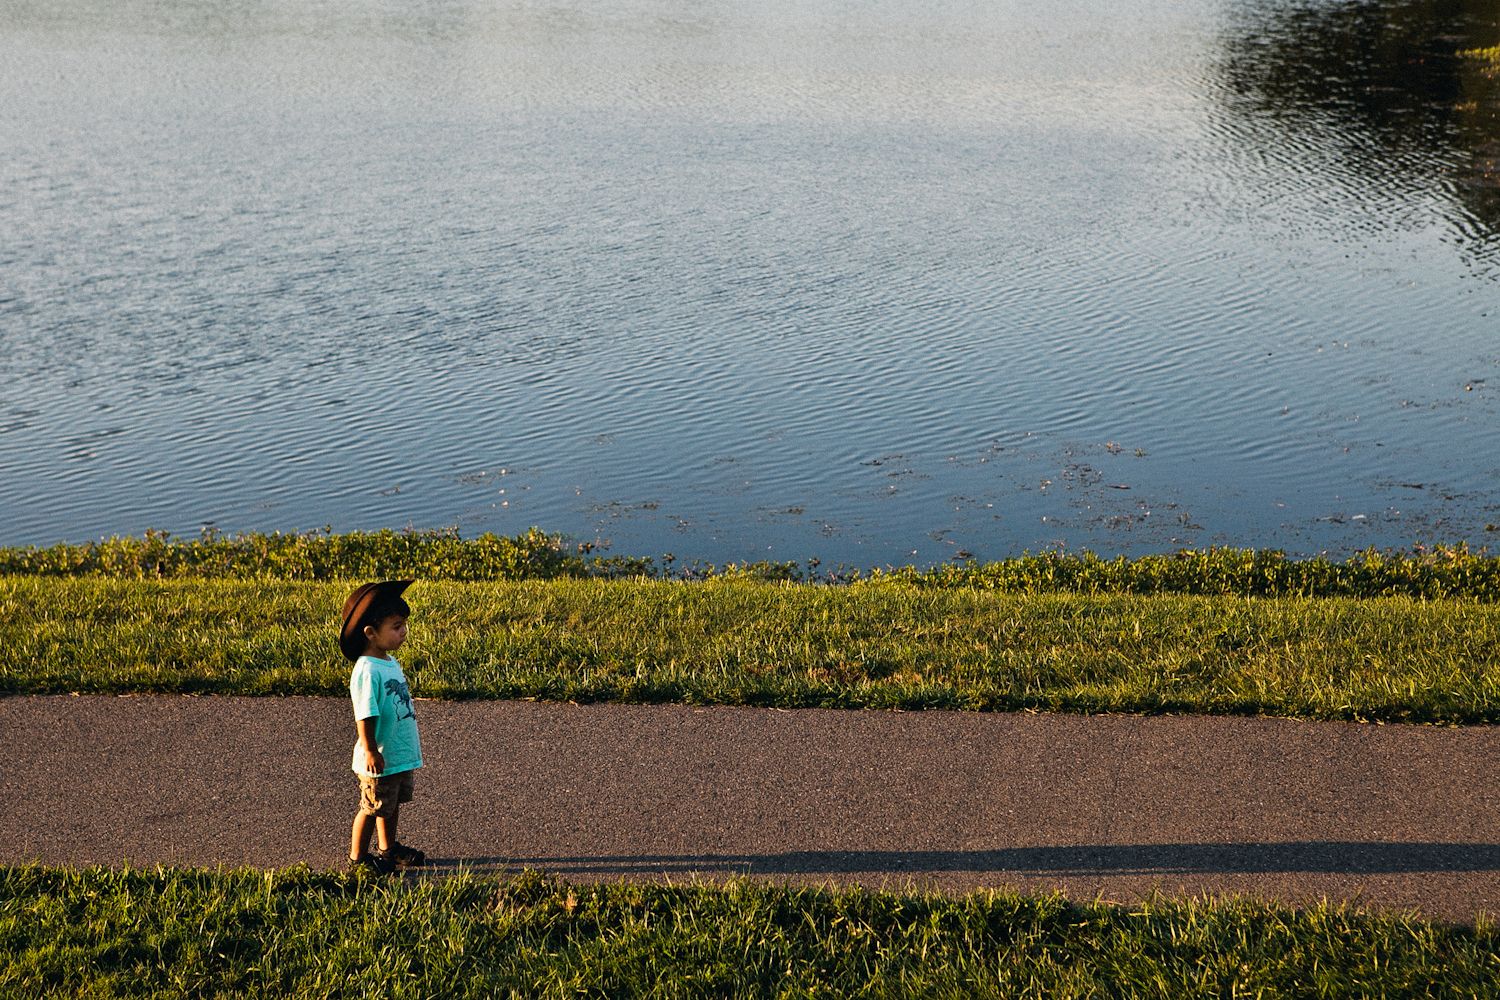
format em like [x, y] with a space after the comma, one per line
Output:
[387, 636]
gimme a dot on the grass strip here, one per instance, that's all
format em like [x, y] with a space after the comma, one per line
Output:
[1428, 572]
[1490, 55]
[745, 642]
[300, 933]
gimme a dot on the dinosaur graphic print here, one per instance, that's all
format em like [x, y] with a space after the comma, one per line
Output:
[398, 690]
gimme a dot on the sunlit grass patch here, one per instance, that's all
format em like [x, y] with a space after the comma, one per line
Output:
[876, 644]
[303, 933]
[1425, 571]
[1488, 55]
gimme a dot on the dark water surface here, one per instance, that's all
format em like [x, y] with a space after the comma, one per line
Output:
[870, 281]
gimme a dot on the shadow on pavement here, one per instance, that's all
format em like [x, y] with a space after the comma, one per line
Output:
[1351, 857]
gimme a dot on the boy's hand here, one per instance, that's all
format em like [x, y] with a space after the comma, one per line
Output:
[374, 761]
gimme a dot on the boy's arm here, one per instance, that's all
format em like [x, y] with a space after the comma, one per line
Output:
[374, 761]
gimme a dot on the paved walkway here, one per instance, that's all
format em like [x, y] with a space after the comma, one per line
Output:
[1112, 806]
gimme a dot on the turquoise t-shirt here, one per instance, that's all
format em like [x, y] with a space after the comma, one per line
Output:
[378, 689]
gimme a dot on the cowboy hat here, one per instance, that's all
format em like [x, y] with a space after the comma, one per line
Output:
[357, 609]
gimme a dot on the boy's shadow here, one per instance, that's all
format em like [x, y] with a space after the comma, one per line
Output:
[1333, 857]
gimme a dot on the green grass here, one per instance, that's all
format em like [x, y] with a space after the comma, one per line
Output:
[299, 933]
[1432, 572]
[733, 641]
[1489, 55]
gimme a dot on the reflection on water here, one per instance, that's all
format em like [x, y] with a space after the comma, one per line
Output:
[872, 282]
[1380, 95]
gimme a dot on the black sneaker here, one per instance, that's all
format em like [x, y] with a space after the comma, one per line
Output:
[405, 857]
[371, 864]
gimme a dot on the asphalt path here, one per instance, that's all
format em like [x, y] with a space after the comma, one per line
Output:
[1111, 807]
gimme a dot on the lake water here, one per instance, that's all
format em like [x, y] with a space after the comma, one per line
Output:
[873, 282]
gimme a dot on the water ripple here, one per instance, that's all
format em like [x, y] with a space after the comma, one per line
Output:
[694, 269]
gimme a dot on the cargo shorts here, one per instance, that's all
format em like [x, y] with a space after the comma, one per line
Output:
[382, 796]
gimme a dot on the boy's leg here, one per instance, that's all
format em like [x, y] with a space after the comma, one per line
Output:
[394, 851]
[367, 819]
[359, 835]
[385, 828]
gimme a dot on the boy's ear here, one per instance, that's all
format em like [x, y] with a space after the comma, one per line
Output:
[369, 631]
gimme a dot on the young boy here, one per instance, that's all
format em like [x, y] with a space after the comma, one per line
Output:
[387, 752]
